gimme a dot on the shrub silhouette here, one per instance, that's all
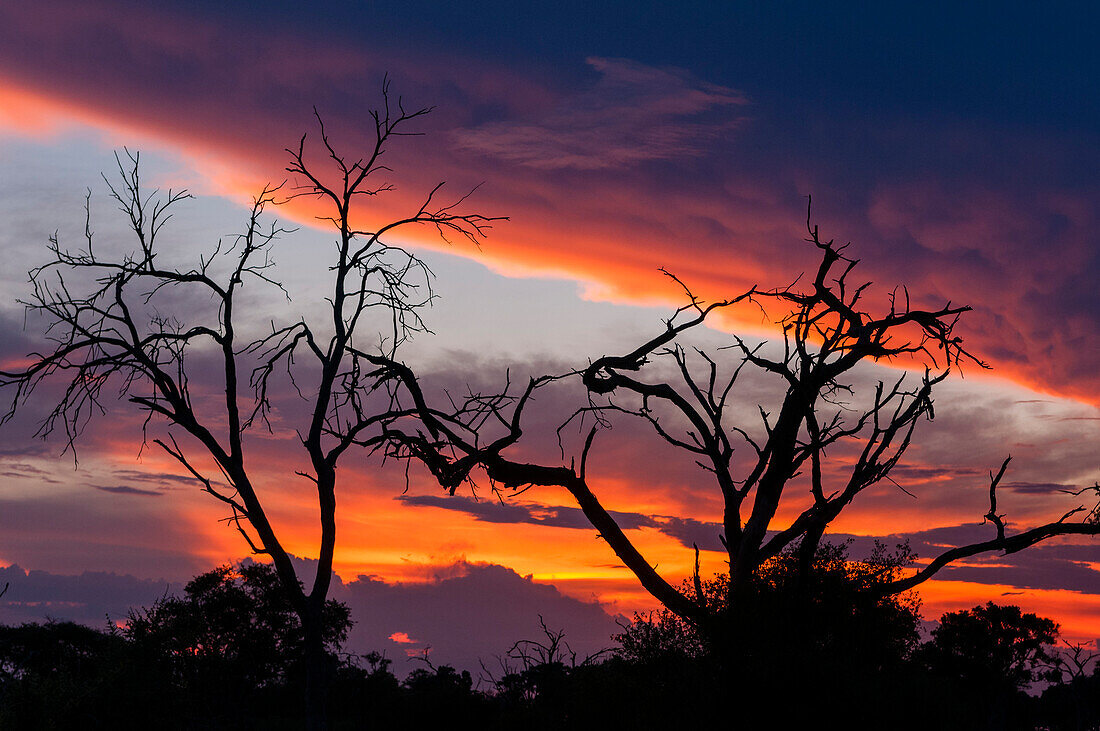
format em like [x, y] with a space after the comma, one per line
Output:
[829, 632]
[232, 640]
[62, 675]
[834, 650]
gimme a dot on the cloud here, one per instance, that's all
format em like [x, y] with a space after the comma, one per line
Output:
[954, 210]
[89, 597]
[691, 533]
[632, 114]
[975, 235]
[986, 242]
[159, 478]
[926, 472]
[467, 614]
[127, 490]
[1047, 566]
[1040, 488]
[687, 531]
[20, 470]
[496, 511]
[464, 614]
[72, 527]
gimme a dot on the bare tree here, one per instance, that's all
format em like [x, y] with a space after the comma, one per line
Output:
[827, 332]
[1071, 664]
[107, 326]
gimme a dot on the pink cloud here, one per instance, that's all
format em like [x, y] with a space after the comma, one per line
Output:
[1023, 262]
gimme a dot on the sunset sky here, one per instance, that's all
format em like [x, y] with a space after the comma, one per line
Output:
[955, 147]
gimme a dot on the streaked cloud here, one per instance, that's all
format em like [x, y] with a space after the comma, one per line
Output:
[1041, 488]
[128, 490]
[498, 511]
[632, 114]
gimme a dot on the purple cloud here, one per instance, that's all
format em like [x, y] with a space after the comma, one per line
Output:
[88, 598]
[1039, 488]
[127, 490]
[468, 613]
[633, 113]
[495, 511]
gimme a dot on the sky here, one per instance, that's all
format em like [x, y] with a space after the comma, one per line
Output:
[955, 147]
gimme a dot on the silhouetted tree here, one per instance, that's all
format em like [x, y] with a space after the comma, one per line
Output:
[227, 653]
[1074, 703]
[841, 644]
[988, 655]
[828, 331]
[63, 675]
[537, 677]
[994, 646]
[844, 617]
[232, 635]
[116, 323]
[205, 660]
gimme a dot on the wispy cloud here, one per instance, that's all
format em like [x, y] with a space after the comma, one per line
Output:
[926, 472]
[162, 479]
[1040, 488]
[687, 531]
[127, 490]
[20, 470]
[632, 114]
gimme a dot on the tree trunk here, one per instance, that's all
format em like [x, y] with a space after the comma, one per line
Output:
[316, 669]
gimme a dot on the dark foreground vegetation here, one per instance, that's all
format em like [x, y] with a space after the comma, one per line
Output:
[831, 651]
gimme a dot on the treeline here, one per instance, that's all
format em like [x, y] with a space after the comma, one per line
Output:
[804, 653]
